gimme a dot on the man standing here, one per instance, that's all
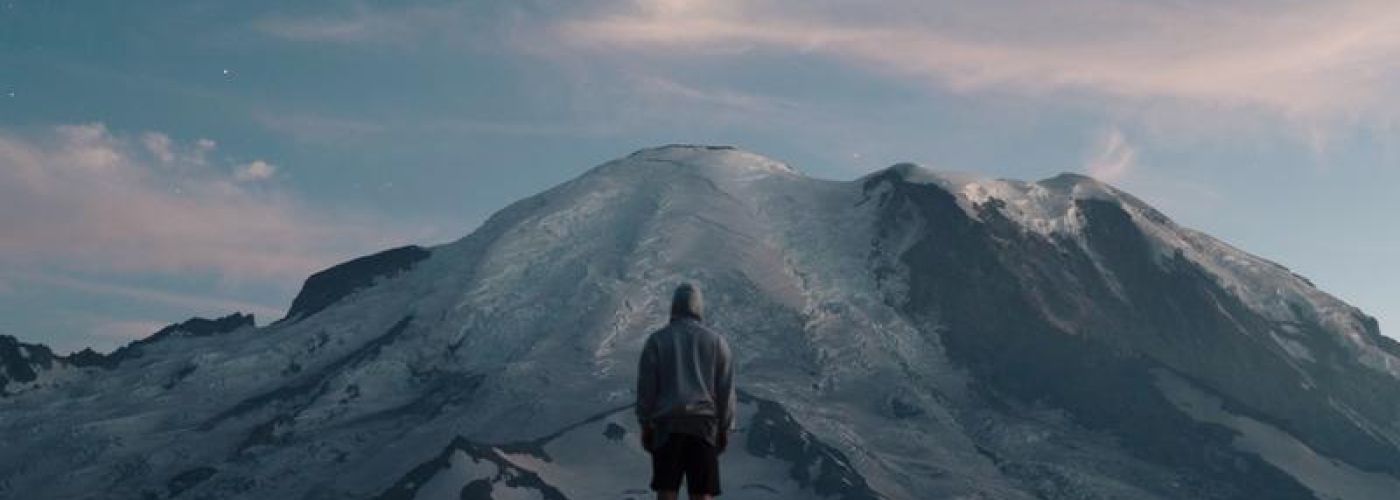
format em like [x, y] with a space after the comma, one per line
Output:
[685, 400]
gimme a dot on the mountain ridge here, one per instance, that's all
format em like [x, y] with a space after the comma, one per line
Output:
[943, 335]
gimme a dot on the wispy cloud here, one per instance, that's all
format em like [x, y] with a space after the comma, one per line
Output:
[1112, 158]
[81, 197]
[361, 24]
[721, 100]
[463, 25]
[182, 301]
[1303, 60]
[315, 128]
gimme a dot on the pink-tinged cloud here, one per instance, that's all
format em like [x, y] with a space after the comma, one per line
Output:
[1303, 60]
[82, 198]
[193, 304]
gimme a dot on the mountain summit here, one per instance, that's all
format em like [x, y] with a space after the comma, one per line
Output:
[908, 334]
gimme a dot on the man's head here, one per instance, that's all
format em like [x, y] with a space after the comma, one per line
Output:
[686, 302]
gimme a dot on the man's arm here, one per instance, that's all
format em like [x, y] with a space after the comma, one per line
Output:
[725, 399]
[646, 385]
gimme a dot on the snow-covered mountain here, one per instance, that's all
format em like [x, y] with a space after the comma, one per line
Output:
[908, 334]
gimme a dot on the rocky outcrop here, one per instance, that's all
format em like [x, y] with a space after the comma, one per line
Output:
[326, 287]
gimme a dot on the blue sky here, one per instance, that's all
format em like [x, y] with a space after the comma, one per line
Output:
[161, 160]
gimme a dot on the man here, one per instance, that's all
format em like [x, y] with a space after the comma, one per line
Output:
[685, 400]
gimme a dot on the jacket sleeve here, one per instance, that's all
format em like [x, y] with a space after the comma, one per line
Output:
[646, 384]
[725, 400]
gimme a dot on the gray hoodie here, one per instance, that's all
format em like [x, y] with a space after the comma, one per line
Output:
[685, 380]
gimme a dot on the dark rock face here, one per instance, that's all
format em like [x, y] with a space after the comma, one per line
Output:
[998, 298]
[88, 357]
[774, 433]
[201, 327]
[326, 287]
[1179, 309]
[193, 327]
[478, 489]
[20, 362]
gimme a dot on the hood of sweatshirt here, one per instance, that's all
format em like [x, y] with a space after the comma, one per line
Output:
[687, 302]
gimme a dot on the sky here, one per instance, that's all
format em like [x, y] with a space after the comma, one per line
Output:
[162, 160]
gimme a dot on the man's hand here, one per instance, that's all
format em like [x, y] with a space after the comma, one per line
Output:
[723, 441]
[647, 438]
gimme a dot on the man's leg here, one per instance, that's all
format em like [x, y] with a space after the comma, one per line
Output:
[702, 470]
[666, 471]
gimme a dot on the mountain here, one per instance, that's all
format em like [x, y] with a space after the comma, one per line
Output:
[908, 334]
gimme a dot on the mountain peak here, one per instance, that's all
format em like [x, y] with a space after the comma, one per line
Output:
[712, 157]
[682, 147]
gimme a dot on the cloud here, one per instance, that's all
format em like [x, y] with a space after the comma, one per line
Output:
[202, 147]
[79, 197]
[183, 301]
[1301, 60]
[159, 146]
[458, 24]
[361, 24]
[1112, 158]
[257, 170]
[312, 128]
[661, 89]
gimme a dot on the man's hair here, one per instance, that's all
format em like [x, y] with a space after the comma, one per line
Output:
[686, 302]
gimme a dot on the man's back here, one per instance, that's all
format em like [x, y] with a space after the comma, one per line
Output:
[683, 370]
[685, 399]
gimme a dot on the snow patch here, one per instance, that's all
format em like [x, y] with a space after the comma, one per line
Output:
[1327, 477]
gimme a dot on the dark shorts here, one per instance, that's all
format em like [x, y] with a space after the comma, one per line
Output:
[691, 457]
